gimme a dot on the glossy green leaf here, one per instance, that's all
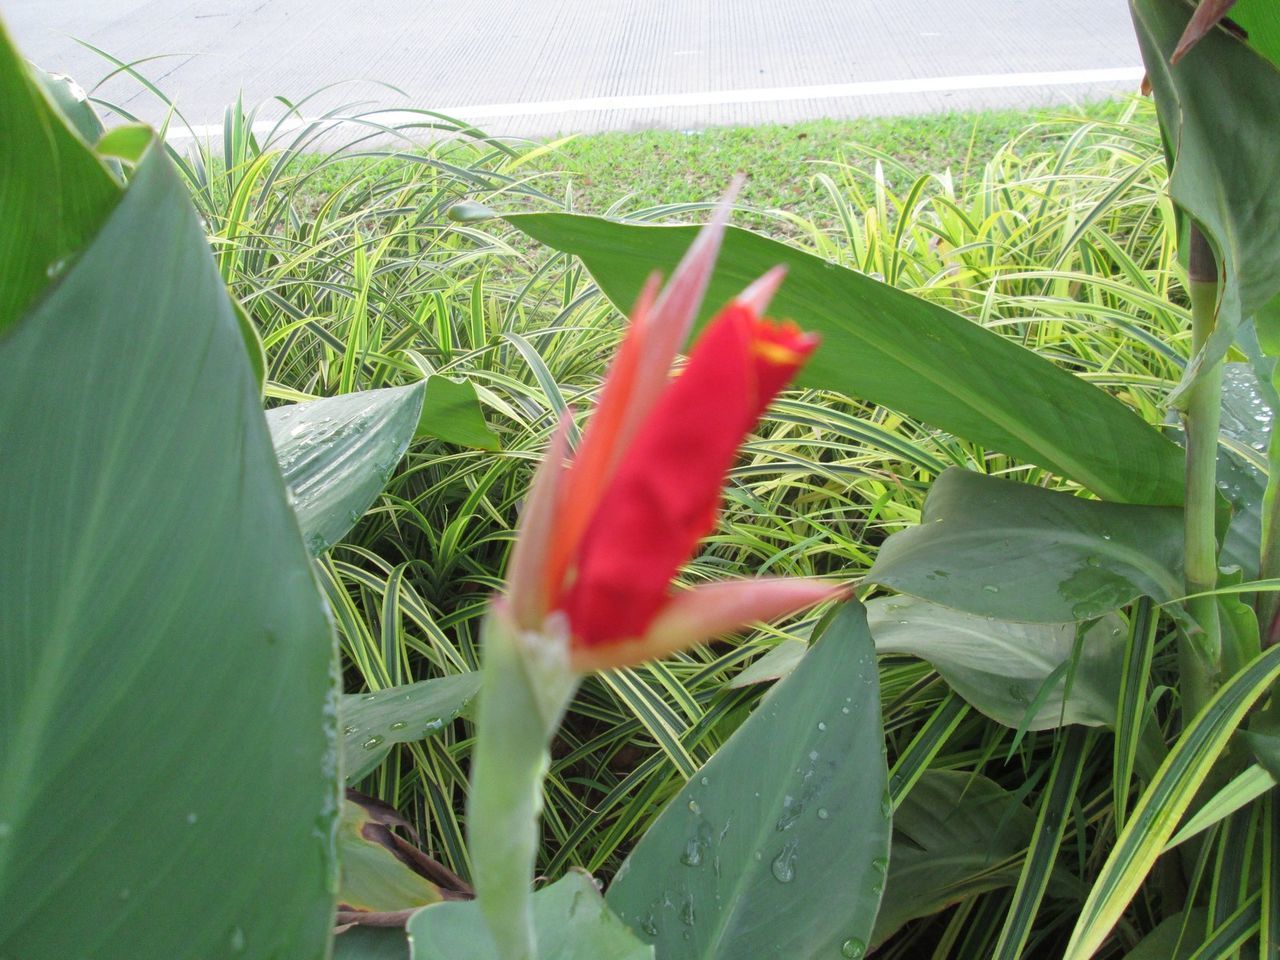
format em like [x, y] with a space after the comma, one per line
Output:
[1001, 667]
[451, 412]
[889, 347]
[955, 835]
[1165, 800]
[336, 454]
[1218, 107]
[1012, 551]
[374, 722]
[571, 920]
[1260, 19]
[147, 554]
[742, 862]
[54, 191]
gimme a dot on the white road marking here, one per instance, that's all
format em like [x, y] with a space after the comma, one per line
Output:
[868, 88]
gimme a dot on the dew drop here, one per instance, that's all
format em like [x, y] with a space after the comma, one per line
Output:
[348, 731]
[784, 864]
[399, 725]
[192, 817]
[1093, 561]
[372, 742]
[704, 781]
[991, 588]
[237, 940]
[687, 914]
[844, 710]
[693, 807]
[692, 856]
[821, 725]
[649, 926]
[853, 949]
[822, 813]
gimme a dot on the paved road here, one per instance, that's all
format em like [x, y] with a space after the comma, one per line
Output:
[538, 67]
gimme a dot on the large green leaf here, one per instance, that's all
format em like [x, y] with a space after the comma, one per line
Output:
[955, 835]
[1015, 673]
[887, 346]
[374, 722]
[1218, 107]
[743, 861]
[54, 191]
[168, 776]
[571, 920]
[337, 453]
[1012, 551]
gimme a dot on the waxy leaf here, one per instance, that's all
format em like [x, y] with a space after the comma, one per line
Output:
[571, 920]
[1218, 107]
[887, 346]
[1012, 551]
[158, 799]
[336, 454]
[372, 723]
[1002, 668]
[743, 861]
[54, 191]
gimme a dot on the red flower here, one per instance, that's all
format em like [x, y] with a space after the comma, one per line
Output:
[601, 542]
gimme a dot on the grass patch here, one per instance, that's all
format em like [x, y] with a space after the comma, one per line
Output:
[660, 167]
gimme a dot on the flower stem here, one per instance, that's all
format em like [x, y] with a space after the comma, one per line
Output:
[1200, 654]
[527, 686]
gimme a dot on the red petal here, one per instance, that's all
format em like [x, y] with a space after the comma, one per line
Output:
[709, 611]
[664, 495]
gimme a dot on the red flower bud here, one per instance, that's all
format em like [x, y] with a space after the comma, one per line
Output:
[601, 542]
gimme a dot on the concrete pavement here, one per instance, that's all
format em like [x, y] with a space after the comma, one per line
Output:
[540, 67]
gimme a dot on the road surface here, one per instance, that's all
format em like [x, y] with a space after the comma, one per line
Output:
[533, 68]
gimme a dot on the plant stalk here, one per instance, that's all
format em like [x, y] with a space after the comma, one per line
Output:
[527, 686]
[1200, 654]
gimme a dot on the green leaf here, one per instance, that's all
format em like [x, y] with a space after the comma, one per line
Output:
[54, 195]
[374, 877]
[774, 665]
[1261, 22]
[1175, 938]
[158, 611]
[1239, 793]
[337, 453]
[955, 835]
[1001, 668]
[451, 412]
[373, 722]
[72, 102]
[1046, 841]
[1012, 551]
[743, 861]
[371, 943]
[571, 920]
[892, 348]
[1218, 108]
[1165, 800]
